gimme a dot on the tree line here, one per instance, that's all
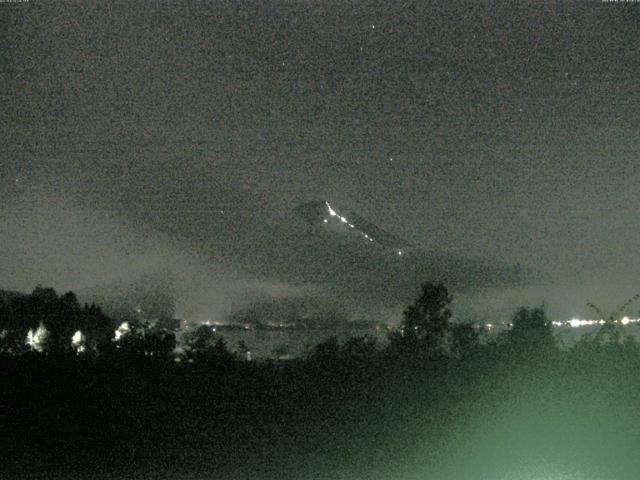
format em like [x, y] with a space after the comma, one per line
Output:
[46, 322]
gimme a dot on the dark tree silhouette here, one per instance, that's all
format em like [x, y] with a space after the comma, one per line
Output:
[199, 339]
[202, 345]
[362, 348]
[159, 343]
[531, 331]
[465, 339]
[147, 338]
[61, 317]
[157, 304]
[426, 322]
[282, 351]
[54, 314]
[98, 328]
[327, 352]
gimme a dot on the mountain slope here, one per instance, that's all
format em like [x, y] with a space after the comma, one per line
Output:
[351, 258]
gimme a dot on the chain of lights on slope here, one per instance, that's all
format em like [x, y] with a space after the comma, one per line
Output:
[333, 213]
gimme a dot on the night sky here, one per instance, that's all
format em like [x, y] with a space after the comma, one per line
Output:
[171, 135]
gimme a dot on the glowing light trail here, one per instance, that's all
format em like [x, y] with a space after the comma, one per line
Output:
[342, 219]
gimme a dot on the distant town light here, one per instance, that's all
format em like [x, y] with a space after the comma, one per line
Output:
[78, 342]
[37, 339]
[122, 330]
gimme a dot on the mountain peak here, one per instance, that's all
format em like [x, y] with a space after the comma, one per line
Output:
[323, 214]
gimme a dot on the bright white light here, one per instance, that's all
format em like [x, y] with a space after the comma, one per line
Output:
[332, 212]
[344, 220]
[122, 330]
[78, 342]
[399, 252]
[625, 321]
[37, 340]
[325, 220]
[574, 322]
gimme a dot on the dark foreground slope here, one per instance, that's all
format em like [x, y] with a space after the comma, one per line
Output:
[489, 417]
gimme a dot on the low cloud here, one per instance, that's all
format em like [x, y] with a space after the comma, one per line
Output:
[50, 240]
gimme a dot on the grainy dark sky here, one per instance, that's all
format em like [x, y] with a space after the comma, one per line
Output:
[502, 130]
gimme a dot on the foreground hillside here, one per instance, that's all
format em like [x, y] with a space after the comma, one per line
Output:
[324, 418]
[153, 400]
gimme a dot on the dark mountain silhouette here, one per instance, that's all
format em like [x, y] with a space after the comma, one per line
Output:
[352, 258]
[351, 225]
